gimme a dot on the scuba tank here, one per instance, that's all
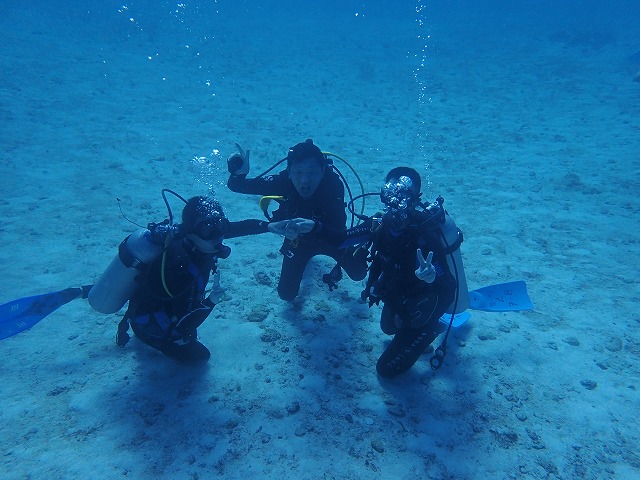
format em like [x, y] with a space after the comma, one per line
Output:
[451, 238]
[118, 282]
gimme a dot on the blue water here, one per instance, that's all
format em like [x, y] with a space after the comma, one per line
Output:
[524, 115]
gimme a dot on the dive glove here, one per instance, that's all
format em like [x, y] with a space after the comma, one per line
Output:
[238, 163]
[425, 270]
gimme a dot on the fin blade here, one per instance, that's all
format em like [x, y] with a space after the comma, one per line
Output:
[22, 314]
[503, 297]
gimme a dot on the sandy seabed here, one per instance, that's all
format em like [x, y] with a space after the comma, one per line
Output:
[531, 139]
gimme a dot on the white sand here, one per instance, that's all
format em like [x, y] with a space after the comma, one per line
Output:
[531, 134]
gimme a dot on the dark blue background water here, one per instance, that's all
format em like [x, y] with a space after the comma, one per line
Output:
[286, 54]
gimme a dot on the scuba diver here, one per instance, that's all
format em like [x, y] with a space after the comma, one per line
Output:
[411, 272]
[311, 213]
[163, 272]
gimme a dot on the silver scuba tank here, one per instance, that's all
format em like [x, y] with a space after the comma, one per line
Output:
[453, 237]
[117, 284]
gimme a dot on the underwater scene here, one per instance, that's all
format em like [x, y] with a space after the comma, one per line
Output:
[320, 239]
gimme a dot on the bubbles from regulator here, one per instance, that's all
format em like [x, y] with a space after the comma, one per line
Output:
[422, 81]
[124, 10]
[210, 170]
[181, 22]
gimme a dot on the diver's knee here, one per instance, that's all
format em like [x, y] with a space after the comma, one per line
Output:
[384, 370]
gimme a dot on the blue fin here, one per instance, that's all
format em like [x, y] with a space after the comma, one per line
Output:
[22, 314]
[504, 297]
[635, 57]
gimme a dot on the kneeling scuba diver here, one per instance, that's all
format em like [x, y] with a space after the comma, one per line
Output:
[311, 214]
[416, 269]
[163, 271]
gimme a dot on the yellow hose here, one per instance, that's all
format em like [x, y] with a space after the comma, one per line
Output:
[164, 258]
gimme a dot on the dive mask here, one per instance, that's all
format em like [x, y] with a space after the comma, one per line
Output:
[397, 194]
[211, 230]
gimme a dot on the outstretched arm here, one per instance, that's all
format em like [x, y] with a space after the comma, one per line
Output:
[246, 227]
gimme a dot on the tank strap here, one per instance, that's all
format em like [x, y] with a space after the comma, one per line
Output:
[127, 259]
[455, 245]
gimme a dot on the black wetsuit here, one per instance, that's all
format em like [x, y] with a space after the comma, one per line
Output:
[326, 207]
[417, 305]
[166, 315]
[167, 318]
